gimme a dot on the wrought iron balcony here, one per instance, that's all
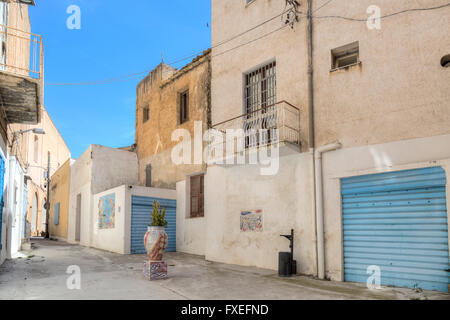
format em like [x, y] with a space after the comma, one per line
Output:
[277, 124]
[21, 74]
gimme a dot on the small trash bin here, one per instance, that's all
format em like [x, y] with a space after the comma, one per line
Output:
[284, 264]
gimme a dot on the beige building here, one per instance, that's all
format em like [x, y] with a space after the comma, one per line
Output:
[169, 99]
[362, 143]
[59, 202]
[36, 149]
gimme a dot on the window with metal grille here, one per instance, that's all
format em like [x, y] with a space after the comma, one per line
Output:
[260, 88]
[197, 196]
[184, 106]
[260, 99]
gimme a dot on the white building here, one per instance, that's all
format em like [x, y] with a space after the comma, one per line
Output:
[98, 169]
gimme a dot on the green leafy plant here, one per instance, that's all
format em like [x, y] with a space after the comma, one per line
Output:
[158, 216]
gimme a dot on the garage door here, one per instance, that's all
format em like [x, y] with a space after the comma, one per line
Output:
[397, 221]
[142, 208]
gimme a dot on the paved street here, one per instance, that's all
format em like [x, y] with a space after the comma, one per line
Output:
[41, 274]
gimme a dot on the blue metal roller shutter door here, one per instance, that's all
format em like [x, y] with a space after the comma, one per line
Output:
[142, 208]
[397, 221]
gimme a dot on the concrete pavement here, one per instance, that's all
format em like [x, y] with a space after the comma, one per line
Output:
[41, 274]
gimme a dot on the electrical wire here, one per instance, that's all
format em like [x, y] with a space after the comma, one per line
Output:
[385, 16]
[325, 4]
[130, 77]
[176, 61]
[246, 43]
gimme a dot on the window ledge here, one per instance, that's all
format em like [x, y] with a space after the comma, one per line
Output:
[193, 218]
[346, 67]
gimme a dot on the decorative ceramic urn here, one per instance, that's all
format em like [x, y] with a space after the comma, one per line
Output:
[155, 242]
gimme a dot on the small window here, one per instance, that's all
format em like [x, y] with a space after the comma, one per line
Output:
[184, 107]
[36, 149]
[197, 196]
[145, 114]
[148, 175]
[345, 56]
[445, 61]
[56, 218]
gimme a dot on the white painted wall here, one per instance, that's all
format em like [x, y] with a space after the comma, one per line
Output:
[118, 239]
[112, 168]
[287, 201]
[191, 232]
[111, 239]
[4, 154]
[348, 162]
[14, 208]
[98, 169]
[80, 183]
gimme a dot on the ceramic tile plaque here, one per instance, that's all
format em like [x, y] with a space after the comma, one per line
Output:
[252, 221]
[107, 211]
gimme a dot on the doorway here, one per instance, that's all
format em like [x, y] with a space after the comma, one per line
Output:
[78, 219]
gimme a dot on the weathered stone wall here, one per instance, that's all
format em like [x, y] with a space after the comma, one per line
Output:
[160, 93]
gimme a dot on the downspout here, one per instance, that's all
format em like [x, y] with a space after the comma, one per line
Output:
[310, 78]
[319, 205]
[311, 129]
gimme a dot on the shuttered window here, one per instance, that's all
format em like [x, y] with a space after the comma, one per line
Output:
[184, 107]
[197, 196]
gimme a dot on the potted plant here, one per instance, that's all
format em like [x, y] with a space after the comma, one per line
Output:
[155, 240]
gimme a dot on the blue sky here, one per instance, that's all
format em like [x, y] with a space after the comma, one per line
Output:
[116, 38]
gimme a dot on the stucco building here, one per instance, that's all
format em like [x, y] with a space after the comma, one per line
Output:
[59, 202]
[98, 169]
[36, 150]
[363, 133]
[20, 95]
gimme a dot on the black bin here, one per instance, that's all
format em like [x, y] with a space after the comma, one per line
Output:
[284, 264]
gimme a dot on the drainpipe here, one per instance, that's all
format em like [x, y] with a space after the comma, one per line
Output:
[319, 205]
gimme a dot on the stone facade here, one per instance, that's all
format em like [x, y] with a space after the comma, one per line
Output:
[159, 93]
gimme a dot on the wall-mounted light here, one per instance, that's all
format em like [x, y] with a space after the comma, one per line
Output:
[35, 131]
[27, 2]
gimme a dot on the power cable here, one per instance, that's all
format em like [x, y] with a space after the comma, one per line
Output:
[176, 61]
[130, 77]
[385, 16]
[325, 4]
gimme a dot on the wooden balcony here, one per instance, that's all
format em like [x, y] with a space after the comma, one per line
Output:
[21, 75]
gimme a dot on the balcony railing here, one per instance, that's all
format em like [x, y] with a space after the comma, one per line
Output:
[21, 53]
[277, 123]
